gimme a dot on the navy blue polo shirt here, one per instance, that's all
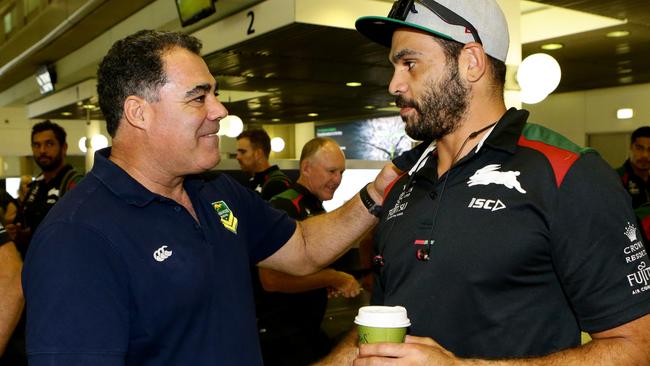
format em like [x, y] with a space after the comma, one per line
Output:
[531, 239]
[118, 275]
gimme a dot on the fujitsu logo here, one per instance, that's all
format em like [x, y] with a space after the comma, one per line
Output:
[641, 277]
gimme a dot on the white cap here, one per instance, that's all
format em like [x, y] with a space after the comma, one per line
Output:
[382, 317]
[484, 15]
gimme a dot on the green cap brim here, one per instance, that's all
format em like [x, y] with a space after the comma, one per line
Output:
[381, 29]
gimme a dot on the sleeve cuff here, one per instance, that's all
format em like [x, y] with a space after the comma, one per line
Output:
[4, 235]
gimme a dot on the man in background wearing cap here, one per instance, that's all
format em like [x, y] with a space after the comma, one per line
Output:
[493, 241]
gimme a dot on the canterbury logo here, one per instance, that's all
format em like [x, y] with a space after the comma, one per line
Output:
[161, 253]
[490, 174]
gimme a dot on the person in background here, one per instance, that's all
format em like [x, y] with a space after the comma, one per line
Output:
[25, 180]
[8, 207]
[23, 188]
[11, 298]
[290, 308]
[146, 262]
[504, 240]
[253, 149]
[49, 148]
[636, 169]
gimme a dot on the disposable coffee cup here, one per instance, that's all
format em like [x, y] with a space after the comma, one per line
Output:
[382, 324]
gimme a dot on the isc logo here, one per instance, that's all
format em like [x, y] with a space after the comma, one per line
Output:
[490, 205]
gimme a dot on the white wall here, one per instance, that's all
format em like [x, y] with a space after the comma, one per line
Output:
[15, 136]
[14, 131]
[304, 132]
[564, 113]
[578, 114]
[16, 128]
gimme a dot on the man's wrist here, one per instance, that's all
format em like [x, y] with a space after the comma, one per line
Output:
[4, 235]
[369, 202]
[374, 194]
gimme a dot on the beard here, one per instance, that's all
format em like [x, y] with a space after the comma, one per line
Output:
[642, 164]
[50, 164]
[440, 110]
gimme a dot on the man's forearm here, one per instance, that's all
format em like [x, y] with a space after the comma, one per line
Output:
[625, 345]
[276, 281]
[603, 352]
[327, 236]
[343, 354]
[321, 239]
[11, 299]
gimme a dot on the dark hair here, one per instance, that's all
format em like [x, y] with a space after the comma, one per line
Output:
[48, 125]
[314, 145]
[134, 66]
[640, 132]
[497, 68]
[259, 140]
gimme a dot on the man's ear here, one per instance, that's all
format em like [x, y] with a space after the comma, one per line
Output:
[306, 170]
[135, 110]
[257, 153]
[473, 61]
[305, 166]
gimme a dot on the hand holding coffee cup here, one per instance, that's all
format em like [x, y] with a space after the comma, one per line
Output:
[379, 324]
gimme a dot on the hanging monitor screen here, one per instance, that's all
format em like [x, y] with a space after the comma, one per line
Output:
[191, 11]
[46, 78]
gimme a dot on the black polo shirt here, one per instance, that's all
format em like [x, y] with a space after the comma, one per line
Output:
[270, 182]
[638, 188]
[282, 314]
[43, 195]
[533, 240]
[290, 323]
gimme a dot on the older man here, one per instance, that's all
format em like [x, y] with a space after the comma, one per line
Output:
[147, 263]
[290, 308]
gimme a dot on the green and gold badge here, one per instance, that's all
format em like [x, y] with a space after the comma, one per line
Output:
[228, 220]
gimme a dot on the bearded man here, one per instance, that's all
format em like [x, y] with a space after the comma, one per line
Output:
[504, 240]
[49, 148]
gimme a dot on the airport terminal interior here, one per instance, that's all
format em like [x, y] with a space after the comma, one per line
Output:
[299, 69]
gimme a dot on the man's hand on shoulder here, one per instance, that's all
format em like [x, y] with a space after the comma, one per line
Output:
[387, 175]
[343, 284]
